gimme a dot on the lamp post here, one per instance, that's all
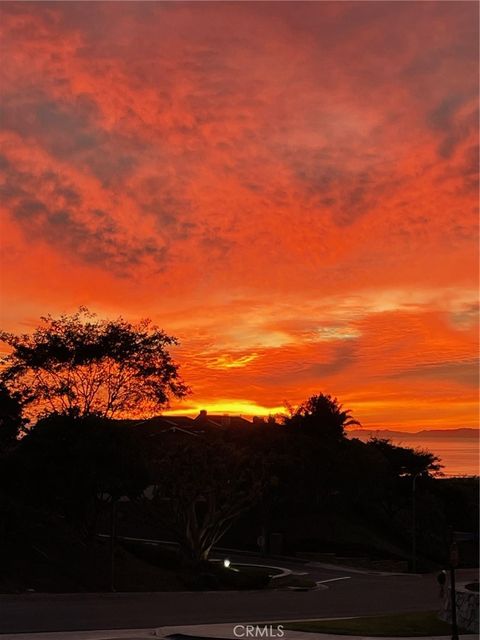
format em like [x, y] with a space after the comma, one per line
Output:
[414, 523]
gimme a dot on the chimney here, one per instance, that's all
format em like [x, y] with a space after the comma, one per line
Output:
[202, 415]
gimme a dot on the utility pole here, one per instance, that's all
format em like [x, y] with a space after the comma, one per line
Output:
[453, 595]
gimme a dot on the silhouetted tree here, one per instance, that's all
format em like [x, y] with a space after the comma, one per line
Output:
[406, 461]
[321, 415]
[76, 466]
[11, 418]
[81, 365]
[202, 488]
[402, 466]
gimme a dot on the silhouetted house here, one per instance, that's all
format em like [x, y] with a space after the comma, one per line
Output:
[165, 422]
[160, 425]
[216, 421]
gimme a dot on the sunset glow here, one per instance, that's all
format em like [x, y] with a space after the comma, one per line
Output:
[289, 188]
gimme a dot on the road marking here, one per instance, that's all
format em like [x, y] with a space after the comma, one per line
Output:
[300, 573]
[333, 579]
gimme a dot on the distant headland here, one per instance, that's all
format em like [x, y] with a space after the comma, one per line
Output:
[461, 433]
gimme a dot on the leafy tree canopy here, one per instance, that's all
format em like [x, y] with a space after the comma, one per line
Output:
[11, 418]
[81, 365]
[73, 465]
[405, 461]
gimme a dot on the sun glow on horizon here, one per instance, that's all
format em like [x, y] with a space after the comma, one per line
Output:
[228, 407]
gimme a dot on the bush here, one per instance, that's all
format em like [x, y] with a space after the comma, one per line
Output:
[158, 555]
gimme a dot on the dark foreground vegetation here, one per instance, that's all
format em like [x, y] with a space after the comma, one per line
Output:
[77, 483]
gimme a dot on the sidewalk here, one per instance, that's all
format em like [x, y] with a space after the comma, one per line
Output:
[113, 634]
[224, 631]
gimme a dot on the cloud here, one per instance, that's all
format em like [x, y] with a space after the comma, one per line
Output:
[71, 133]
[296, 181]
[456, 117]
[461, 373]
[343, 357]
[49, 208]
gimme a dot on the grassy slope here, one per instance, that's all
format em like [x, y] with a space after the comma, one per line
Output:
[398, 625]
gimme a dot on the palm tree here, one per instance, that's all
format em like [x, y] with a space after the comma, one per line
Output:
[321, 413]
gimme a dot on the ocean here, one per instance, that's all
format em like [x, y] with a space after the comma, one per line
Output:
[460, 456]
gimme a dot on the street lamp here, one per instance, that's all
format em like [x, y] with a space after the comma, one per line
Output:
[414, 523]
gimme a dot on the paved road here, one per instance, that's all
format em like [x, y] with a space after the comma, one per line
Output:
[360, 594]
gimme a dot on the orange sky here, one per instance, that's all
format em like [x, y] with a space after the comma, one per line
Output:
[290, 188]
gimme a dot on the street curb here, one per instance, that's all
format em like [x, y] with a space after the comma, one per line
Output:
[366, 572]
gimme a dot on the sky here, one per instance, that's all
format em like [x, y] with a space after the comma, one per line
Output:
[288, 188]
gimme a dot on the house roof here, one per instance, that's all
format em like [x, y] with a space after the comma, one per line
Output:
[204, 421]
[221, 420]
[168, 421]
